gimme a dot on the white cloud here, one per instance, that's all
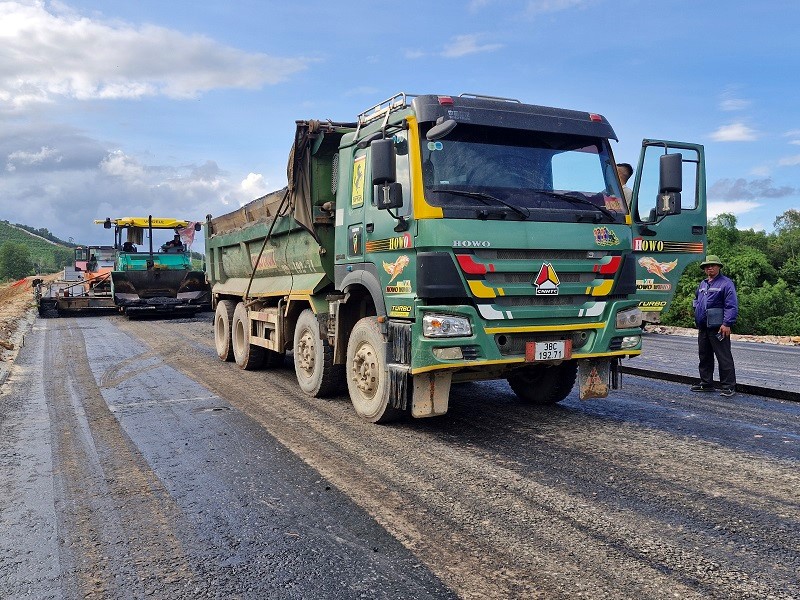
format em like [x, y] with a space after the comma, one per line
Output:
[737, 207]
[535, 7]
[735, 132]
[20, 157]
[253, 186]
[414, 54]
[790, 161]
[730, 100]
[118, 164]
[742, 189]
[476, 5]
[49, 54]
[733, 104]
[462, 45]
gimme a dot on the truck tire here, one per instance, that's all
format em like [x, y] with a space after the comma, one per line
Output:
[247, 356]
[540, 384]
[367, 373]
[313, 359]
[223, 319]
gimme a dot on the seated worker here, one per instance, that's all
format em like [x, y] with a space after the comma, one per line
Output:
[91, 265]
[128, 247]
[174, 245]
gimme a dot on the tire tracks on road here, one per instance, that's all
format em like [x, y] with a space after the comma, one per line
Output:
[117, 523]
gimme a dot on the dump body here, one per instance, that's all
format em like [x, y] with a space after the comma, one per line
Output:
[442, 239]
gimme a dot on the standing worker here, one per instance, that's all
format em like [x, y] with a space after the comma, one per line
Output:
[715, 311]
[625, 171]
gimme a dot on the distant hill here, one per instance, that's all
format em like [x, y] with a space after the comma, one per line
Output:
[48, 252]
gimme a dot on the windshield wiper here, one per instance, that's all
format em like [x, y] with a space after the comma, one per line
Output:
[578, 200]
[483, 197]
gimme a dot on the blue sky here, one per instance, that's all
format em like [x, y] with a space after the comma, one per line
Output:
[181, 109]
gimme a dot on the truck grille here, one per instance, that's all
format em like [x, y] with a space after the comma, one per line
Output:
[531, 284]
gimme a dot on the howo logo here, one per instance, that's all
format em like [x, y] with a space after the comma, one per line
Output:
[471, 243]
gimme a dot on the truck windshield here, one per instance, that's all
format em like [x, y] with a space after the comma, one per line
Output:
[531, 175]
[104, 253]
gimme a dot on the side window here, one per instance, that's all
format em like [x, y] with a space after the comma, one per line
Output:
[648, 181]
[403, 171]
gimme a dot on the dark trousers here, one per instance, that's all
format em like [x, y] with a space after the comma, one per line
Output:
[708, 347]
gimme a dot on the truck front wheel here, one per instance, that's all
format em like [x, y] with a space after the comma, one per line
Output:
[367, 373]
[223, 317]
[313, 359]
[540, 384]
[247, 356]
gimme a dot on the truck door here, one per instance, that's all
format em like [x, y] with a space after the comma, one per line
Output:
[355, 211]
[664, 245]
[389, 240]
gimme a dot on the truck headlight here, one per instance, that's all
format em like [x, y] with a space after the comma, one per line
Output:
[445, 326]
[630, 341]
[629, 318]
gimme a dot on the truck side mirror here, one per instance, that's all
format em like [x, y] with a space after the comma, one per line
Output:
[670, 173]
[441, 129]
[389, 196]
[670, 184]
[384, 169]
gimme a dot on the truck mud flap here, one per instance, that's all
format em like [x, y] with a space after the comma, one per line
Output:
[594, 378]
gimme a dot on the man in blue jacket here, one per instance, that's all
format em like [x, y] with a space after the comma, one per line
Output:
[715, 310]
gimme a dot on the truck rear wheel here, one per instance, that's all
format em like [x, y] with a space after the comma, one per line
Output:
[248, 356]
[367, 373]
[540, 384]
[313, 359]
[223, 319]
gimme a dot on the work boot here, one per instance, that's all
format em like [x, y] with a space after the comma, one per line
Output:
[702, 387]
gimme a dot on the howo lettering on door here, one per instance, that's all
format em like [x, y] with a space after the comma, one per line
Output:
[439, 239]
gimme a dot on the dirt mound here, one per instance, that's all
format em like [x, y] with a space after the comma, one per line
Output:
[17, 312]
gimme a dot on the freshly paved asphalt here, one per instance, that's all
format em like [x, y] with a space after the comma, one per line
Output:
[768, 366]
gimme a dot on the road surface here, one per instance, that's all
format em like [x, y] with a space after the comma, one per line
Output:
[762, 365]
[133, 463]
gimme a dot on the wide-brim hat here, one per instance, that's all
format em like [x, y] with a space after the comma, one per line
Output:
[711, 259]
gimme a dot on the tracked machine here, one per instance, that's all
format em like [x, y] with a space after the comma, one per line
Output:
[155, 281]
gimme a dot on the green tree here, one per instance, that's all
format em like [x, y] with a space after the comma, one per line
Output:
[771, 310]
[63, 257]
[786, 241]
[15, 261]
[722, 233]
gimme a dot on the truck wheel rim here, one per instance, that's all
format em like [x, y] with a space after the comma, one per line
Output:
[365, 370]
[305, 353]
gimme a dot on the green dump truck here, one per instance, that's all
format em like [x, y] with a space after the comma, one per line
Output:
[155, 280]
[440, 239]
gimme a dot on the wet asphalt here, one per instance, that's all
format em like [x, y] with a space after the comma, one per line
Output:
[242, 516]
[134, 464]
